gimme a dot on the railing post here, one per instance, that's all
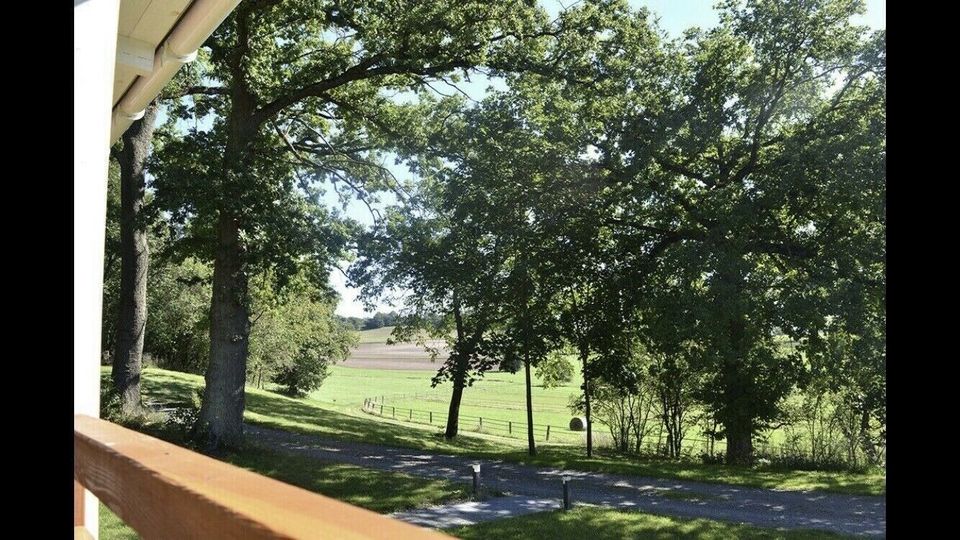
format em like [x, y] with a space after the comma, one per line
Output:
[77, 504]
[566, 493]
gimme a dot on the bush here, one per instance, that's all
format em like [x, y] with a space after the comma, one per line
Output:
[306, 374]
[715, 459]
[295, 336]
[178, 301]
[625, 413]
[183, 424]
[110, 409]
[799, 462]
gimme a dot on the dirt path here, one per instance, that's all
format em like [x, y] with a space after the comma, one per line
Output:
[850, 514]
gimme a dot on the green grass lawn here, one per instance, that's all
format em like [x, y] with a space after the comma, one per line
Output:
[343, 419]
[382, 492]
[615, 524]
[113, 528]
[497, 398]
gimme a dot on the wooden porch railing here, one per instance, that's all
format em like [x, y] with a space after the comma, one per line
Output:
[164, 491]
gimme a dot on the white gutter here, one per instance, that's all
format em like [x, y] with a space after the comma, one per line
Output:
[180, 47]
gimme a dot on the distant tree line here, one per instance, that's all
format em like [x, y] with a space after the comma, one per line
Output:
[377, 320]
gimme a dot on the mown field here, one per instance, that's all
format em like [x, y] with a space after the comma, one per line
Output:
[498, 398]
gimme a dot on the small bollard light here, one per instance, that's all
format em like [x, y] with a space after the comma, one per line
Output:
[566, 493]
[476, 479]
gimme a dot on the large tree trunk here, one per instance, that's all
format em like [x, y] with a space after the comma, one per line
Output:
[221, 414]
[134, 258]
[459, 372]
[738, 422]
[531, 444]
[223, 400]
[739, 442]
[584, 353]
[453, 413]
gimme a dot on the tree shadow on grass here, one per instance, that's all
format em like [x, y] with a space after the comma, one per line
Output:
[302, 416]
[375, 490]
[612, 462]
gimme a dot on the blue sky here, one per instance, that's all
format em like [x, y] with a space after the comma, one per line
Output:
[675, 16]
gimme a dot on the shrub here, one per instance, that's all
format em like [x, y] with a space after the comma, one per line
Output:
[110, 408]
[711, 459]
[625, 413]
[183, 423]
[305, 374]
[295, 336]
[799, 462]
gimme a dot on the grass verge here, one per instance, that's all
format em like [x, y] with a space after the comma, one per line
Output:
[347, 422]
[616, 524]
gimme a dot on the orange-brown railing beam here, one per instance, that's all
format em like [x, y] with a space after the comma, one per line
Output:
[164, 491]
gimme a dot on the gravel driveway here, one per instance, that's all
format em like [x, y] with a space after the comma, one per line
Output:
[850, 514]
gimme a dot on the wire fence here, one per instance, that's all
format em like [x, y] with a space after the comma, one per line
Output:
[650, 443]
[653, 442]
[479, 424]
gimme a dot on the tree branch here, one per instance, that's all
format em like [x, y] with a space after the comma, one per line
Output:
[202, 90]
[360, 71]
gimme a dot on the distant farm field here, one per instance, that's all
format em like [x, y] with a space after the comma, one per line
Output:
[377, 335]
[374, 353]
[399, 376]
